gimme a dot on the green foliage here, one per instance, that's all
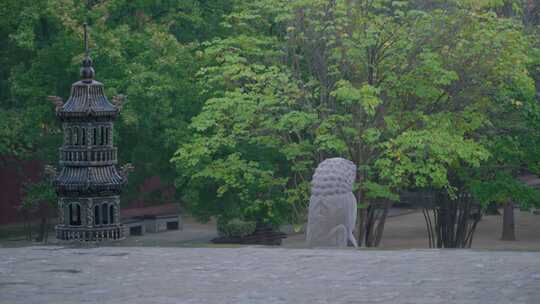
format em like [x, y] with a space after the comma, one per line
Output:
[377, 191]
[236, 102]
[36, 194]
[503, 187]
[410, 95]
[142, 49]
[423, 158]
[235, 227]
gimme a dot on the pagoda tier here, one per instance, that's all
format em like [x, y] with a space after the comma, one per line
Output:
[87, 102]
[89, 180]
[94, 156]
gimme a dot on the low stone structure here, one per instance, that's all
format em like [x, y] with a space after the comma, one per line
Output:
[152, 223]
[134, 227]
[152, 219]
[159, 223]
[332, 206]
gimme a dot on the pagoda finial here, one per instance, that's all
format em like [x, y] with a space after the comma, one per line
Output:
[87, 71]
[86, 39]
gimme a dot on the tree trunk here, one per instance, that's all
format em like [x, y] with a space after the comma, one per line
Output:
[451, 223]
[380, 225]
[27, 224]
[42, 237]
[361, 226]
[376, 215]
[509, 229]
[43, 211]
[360, 216]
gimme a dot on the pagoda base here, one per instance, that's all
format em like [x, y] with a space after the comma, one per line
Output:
[90, 234]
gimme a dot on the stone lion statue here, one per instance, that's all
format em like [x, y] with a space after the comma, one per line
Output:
[332, 206]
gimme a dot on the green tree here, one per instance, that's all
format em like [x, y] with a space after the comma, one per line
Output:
[513, 138]
[400, 91]
[40, 199]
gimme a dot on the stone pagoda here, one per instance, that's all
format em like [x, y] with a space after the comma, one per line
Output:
[88, 183]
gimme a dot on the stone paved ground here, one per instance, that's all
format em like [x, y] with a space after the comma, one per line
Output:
[266, 275]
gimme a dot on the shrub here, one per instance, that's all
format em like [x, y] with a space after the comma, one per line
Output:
[235, 227]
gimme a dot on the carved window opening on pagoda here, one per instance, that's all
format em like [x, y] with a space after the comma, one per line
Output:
[111, 214]
[107, 136]
[104, 213]
[94, 137]
[74, 214]
[83, 141]
[97, 220]
[102, 135]
[75, 136]
[69, 138]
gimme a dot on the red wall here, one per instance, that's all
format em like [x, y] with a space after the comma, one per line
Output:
[13, 174]
[153, 183]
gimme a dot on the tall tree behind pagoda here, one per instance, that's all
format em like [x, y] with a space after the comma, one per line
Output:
[142, 48]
